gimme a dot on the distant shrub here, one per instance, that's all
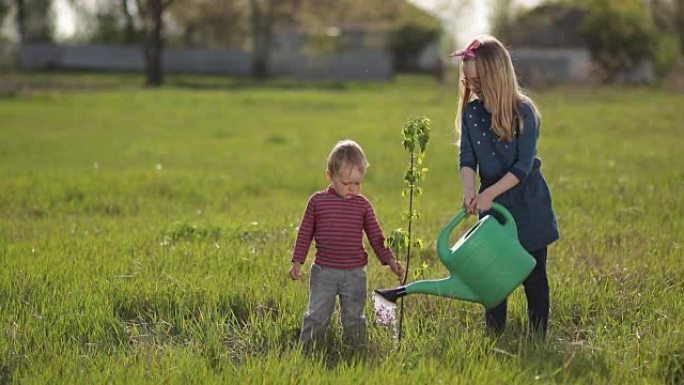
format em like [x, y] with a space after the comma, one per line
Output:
[181, 231]
[620, 35]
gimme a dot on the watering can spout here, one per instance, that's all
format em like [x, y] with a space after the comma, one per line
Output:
[392, 294]
[451, 287]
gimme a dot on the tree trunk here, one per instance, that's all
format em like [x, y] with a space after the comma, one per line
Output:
[129, 34]
[153, 43]
[21, 21]
[679, 22]
[261, 21]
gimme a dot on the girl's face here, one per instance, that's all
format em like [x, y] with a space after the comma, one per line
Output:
[347, 182]
[471, 79]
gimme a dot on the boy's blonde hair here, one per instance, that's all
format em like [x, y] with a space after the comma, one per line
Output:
[502, 94]
[347, 153]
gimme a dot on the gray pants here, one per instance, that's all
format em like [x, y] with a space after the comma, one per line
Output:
[325, 284]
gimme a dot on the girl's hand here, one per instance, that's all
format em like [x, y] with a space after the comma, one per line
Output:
[397, 268]
[469, 202]
[296, 270]
[483, 202]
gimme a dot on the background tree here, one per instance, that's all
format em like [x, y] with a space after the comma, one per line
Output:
[668, 18]
[211, 23]
[262, 15]
[151, 13]
[405, 29]
[106, 21]
[5, 6]
[503, 18]
[34, 20]
[618, 35]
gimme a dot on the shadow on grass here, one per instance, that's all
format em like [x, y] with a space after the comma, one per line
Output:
[672, 366]
[14, 83]
[233, 84]
[552, 359]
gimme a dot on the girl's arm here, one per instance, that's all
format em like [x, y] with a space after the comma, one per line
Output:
[468, 165]
[504, 184]
[468, 182]
[526, 151]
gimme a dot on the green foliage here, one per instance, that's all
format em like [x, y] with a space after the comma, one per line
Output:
[415, 137]
[190, 232]
[502, 19]
[4, 9]
[621, 35]
[618, 34]
[330, 42]
[211, 23]
[107, 25]
[38, 22]
[407, 41]
[666, 53]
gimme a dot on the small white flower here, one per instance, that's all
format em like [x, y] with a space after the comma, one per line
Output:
[159, 167]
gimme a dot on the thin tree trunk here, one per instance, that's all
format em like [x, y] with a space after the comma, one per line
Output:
[261, 21]
[153, 43]
[408, 250]
[679, 22]
[129, 34]
[21, 21]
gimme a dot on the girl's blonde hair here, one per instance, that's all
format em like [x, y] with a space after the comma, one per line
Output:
[347, 153]
[501, 92]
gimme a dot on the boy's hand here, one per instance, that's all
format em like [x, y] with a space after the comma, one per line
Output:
[296, 270]
[397, 268]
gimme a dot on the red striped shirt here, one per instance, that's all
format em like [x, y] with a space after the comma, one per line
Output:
[337, 226]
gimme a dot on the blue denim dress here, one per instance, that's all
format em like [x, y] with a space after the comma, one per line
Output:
[530, 200]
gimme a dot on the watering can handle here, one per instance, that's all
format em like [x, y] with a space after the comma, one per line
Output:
[510, 221]
[443, 240]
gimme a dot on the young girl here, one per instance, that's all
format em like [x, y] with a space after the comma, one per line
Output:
[336, 219]
[498, 127]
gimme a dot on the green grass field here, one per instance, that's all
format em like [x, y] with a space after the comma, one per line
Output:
[146, 234]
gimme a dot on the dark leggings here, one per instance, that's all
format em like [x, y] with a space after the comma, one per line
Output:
[537, 292]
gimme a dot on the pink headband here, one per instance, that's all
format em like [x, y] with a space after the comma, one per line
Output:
[469, 51]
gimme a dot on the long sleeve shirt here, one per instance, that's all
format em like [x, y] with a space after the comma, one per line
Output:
[530, 200]
[337, 225]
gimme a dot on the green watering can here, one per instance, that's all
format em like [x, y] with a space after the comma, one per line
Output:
[486, 264]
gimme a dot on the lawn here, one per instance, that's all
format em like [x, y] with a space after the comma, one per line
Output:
[146, 234]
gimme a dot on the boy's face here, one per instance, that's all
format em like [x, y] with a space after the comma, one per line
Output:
[347, 182]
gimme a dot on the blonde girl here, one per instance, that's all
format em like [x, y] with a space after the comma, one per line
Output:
[498, 127]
